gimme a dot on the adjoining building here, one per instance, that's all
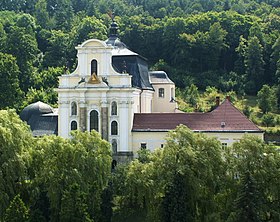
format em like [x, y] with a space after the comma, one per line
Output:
[113, 92]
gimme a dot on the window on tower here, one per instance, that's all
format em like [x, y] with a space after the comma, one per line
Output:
[161, 92]
[94, 120]
[114, 128]
[114, 146]
[74, 125]
[114, 109]
[93, 67]
[73, 109]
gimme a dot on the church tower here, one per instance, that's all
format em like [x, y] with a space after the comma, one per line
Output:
[99, 94]
[109, 85]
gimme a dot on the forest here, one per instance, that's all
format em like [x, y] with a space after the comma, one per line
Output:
[207, 47]
[232, 45]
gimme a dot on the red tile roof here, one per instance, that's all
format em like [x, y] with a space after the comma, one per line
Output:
[225, 117]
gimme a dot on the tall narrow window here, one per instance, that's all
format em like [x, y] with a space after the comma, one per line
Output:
[114, 146]
[114, 109]
[93, 67]
[161, 92]
[94, 120]
[73, 109]
[172, 94]
[114, 128]
[74, 125]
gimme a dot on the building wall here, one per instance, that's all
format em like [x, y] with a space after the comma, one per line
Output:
[165, 103]
[97, 96]
[155, 140]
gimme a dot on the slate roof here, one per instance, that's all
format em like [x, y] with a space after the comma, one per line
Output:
[225, 118]
[42, 118]
[159, 77]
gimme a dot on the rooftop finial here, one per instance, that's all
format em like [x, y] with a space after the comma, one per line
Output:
[114, 26]
[112, 15]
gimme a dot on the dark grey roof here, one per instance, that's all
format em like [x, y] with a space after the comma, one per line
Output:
[37, 108]
[159, 77]
[135, 66]
[44, 125]
[116, 42]
[113, 37]
[41, 118]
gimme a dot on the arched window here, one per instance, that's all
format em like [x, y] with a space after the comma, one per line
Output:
[93, 120]
[161, 92]
[93, 67]
[114, 109]
[73, 109]
[114, 128]
[74, 125]
[114, 146]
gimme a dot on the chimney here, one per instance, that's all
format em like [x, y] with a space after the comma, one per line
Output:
[217, 101]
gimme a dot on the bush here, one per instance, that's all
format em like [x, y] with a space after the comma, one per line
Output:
[268, 119]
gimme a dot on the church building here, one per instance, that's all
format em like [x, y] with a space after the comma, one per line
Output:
[113, 92]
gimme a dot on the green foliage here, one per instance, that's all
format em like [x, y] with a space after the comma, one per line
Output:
[73, 207]
[268, 119]
[15, 142]
[178, 203]
[11, 93]
[192, 95]
[149, 186]
[17, 211]
[254, 64]
[260, 160]
[247, 201]
[76, 169]
[267, 99]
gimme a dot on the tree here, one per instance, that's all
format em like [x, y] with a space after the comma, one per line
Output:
[247, 202]
[192, 95]
[251, 155]
[11, 93]
[57, 50]
[254, 64]
[16, 142]
[23, 45]
[89, 27]
[177, 202]
[186, 170]
[275, 59]
[73, 173]
[73, 205]
[42, 15]
[267, 99]
[17, 211]
[216, 43]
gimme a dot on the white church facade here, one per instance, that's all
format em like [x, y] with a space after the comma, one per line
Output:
[113, 92]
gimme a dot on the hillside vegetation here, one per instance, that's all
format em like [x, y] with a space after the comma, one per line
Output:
[228, 44]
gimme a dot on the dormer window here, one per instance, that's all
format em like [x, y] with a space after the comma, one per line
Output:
[73, 109]
[93, 67]
[161, 92]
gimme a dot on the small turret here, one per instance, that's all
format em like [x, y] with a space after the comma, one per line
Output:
[113, 34]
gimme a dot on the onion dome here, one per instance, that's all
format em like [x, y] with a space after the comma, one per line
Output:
[113, 36]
